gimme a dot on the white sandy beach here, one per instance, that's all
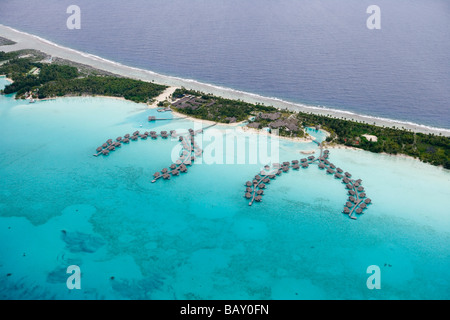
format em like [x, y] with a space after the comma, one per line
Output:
[27, 41]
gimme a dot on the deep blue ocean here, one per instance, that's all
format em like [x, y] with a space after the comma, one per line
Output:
[314, 52]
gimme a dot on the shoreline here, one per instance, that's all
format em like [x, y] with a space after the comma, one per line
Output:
[243, 129]
[28, 41]
[167, 93]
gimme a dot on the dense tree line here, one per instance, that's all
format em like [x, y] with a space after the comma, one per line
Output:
[134, 90]
[430, 148]
[222, 109]
[60, 80]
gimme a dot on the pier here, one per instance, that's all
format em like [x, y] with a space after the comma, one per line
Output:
[187, 156]
[356, 204]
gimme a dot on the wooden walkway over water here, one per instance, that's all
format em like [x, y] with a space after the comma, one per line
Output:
[355, 204]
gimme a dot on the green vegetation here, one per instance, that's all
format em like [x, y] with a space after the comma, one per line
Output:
[43, 80]
[429, 148]
[6, 42]
[217, 109]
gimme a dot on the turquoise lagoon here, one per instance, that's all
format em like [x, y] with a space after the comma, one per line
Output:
[194, 236]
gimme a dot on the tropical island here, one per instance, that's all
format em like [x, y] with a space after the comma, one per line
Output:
[36, 75]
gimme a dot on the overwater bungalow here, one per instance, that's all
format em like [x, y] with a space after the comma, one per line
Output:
[321, 166]
[99, 149]
[286, 163]
[119, 139]
[303, 160]
[305, 165]
[367, 201]
[360, 188]
[248, 195]
[127, 135]
[135, 133]
[348, 175]
[248, 189]
[358, 210]
[349, 204]
[349, 186]
[156, 174]
[173, 166]
[351, 192]
[296, 166]
[133, 138]
[257, 177]
[338, 175]
[164, 170]
[332, 166]
[346, 210]
[126, 140]
[258, 198]
[104, 145]
[109, 141]
[105, 152]
[266, 180]
[362, 195]
[248, 183]
[260, 192]
[166, 176]
[311, 158]
[285, 169]
[330, 171]
[362, 205]
[339, 170]
[143, 136]
[352, 199]
[255, 181]
[261, 186]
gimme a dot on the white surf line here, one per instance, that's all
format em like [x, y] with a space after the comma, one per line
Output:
[28, 41]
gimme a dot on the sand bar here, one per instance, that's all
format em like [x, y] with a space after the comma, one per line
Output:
[27, 41]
